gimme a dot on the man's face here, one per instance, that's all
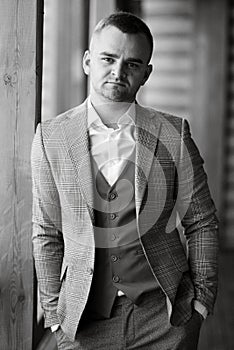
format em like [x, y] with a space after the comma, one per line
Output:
[117, 64]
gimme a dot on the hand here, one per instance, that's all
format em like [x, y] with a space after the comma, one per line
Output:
[197, 316]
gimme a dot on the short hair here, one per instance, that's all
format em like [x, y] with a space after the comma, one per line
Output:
[127, 23]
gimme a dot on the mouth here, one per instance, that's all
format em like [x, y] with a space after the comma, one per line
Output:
[119, 83]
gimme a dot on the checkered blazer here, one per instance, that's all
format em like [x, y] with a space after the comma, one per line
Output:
[170, 191]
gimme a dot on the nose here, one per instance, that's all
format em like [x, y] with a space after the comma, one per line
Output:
[118, 71]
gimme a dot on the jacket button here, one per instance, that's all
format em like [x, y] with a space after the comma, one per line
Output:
[112, 196]
[90, 270]
[115, 279]
[114, 258]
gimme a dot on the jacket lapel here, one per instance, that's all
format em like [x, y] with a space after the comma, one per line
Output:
[77, 142]
[147, 133]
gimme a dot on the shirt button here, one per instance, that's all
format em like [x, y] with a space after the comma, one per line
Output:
[113, 216]
[114, 258]
[116, 279]
[112, 196]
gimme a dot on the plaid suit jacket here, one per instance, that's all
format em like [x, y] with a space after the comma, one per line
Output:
[170, 190]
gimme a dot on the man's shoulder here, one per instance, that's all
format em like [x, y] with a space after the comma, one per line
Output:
[164, 118]
[163, 115]
[60, 120]
[65, 116]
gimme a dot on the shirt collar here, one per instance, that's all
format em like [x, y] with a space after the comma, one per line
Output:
[127, 118]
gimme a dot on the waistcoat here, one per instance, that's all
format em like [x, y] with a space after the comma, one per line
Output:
[120, 263]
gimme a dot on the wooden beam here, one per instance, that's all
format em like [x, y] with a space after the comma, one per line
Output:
[98, 10]
[39, 60]
[72, 42]
[17, 115]
[209, 93]
[130, 6]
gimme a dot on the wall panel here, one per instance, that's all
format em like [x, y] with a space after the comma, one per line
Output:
[17, 115]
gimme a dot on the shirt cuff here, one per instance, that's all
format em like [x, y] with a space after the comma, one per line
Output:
[200, 308]
[54, 328]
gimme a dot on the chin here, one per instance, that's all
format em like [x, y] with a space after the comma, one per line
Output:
[116, 96]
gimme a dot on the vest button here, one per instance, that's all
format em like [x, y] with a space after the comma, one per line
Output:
[114, 258]
[113, 216]
[112, 196]
[116, 279]
[113, 237]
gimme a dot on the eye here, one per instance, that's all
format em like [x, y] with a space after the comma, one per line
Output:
[132, 65]
[107, 59]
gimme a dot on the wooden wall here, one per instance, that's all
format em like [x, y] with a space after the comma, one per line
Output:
[172, 23]
[209, 91]
[17, 118]
[228, 179]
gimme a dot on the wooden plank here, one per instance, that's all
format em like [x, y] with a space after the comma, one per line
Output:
[217, 330]
[170, 64]
[72, 40]
[98, 10]
[175, 7]
[168, 99]
[229, 238]
[173, 82]
[168, 44]
[170, 25]
[208, 102]
[50, 56]
[229, 174]
[230, 162]
[169, 87]
[17, 115]
[129, 6]
[228, 188]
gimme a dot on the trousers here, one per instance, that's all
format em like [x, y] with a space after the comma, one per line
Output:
[130, 327]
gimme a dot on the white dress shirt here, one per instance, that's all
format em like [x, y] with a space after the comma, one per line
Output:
[111, 148]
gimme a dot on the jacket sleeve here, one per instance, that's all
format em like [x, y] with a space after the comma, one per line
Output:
[47, 238]
[199, 221]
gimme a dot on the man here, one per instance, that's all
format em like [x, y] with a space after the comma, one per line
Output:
[110, 180]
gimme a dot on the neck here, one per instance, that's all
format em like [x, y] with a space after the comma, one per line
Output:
[110, 112]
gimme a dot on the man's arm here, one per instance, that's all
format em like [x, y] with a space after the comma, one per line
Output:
[47, 238]
[199, 222]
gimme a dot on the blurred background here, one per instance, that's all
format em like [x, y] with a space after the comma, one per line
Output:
[193, 77]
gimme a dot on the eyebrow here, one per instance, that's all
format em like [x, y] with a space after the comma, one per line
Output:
[129, 59]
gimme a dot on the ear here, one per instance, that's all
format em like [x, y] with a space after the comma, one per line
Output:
[86, 62]
[148, 71]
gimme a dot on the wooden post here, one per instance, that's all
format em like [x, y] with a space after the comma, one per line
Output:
[17, 117]
[99, 10]
[72, 41]
[209, 98]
